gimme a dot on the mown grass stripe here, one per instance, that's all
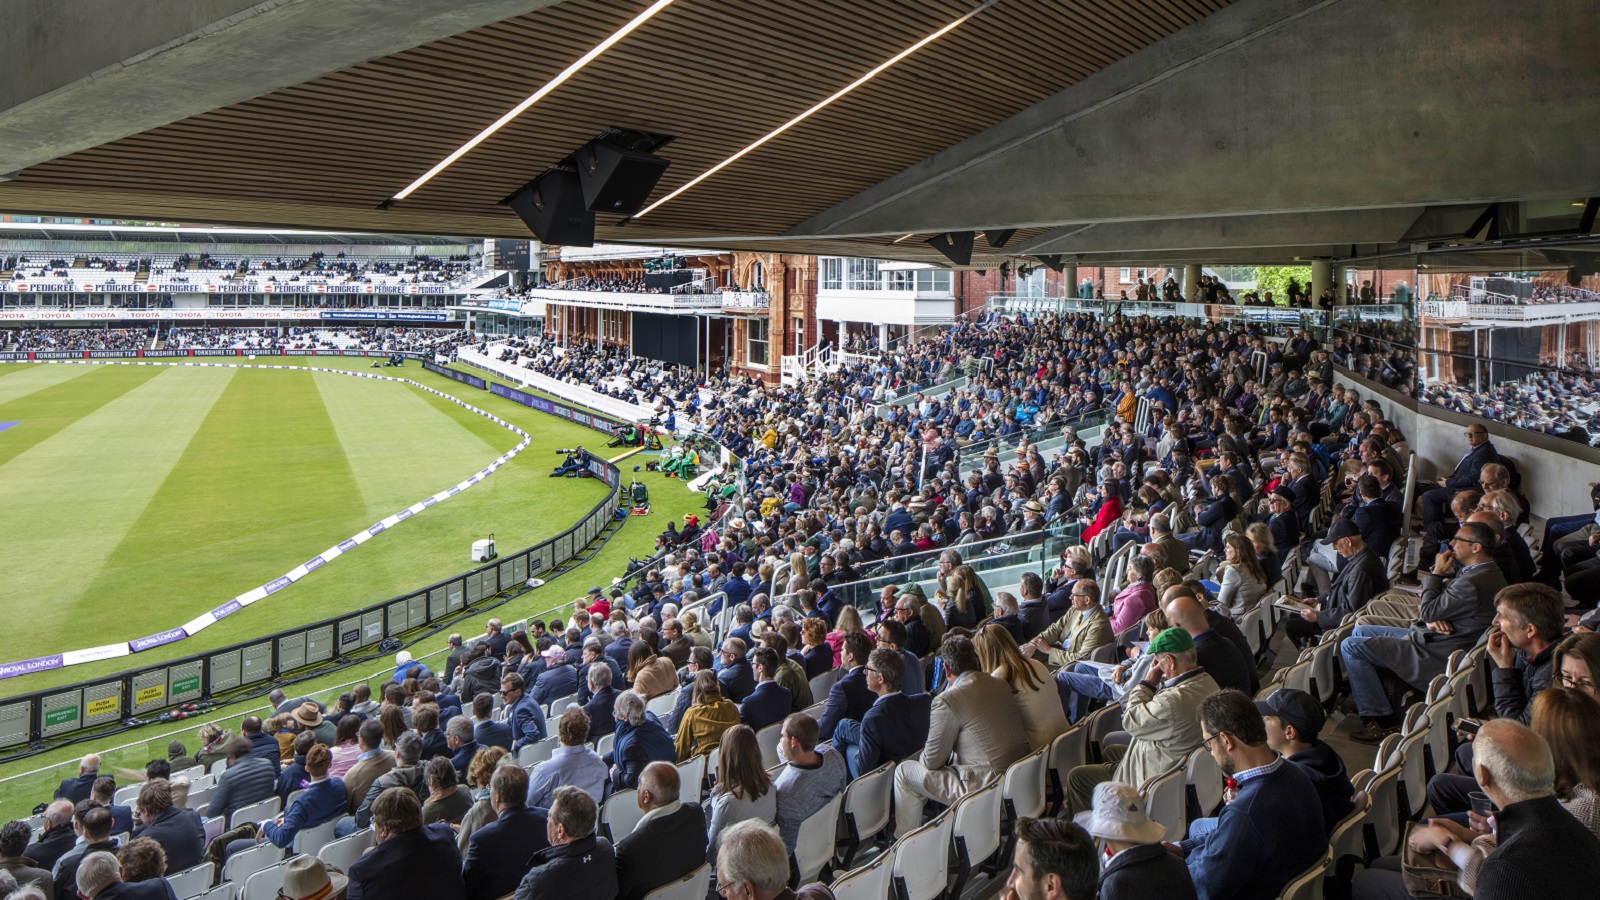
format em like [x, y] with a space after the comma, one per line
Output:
[103, 469]
[398, 446]
[25, 380]
[44, 412]
[262, 485]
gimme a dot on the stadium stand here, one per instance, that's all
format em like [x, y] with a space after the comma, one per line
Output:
[965, 519]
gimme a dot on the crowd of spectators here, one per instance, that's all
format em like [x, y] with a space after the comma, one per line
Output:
[611, 371]
[74, 339]
[1564, 403]
[947, 679]
[396, 339]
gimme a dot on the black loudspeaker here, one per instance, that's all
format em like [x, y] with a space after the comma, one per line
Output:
[1574, 278]
[955, 246]
[999, 238]
[615, 179]
[1052, 261]
[552, 208]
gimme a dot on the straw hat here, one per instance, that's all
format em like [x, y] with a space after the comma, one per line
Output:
[306, 878]
[1118, 815]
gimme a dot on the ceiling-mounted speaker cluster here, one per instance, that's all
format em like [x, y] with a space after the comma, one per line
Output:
[955, 246]
[553, 209]
[617, 179]
[614, 174]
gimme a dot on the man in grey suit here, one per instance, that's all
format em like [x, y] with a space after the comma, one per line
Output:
[1452, 616]
[974, 735]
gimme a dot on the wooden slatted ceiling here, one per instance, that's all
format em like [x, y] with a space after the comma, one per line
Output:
[716, 74]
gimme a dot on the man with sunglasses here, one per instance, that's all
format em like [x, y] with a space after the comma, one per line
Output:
[1452, 615]
[522, 712]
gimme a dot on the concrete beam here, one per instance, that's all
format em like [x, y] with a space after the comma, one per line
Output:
[1274, 106]
[80, 73]
[1368, 226]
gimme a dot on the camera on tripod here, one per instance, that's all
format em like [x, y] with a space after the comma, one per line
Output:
[567, 450]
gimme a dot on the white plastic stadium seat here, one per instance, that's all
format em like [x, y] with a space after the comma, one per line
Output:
[1308, 884]
[813, 845]
[312, 840]
[530, 755]
[126, 795]
[192, 882]
[692, 777]
[265, 884]
[767, 740]
[922, 860]
[866, 809]
[1164, 797]
[663, 705]
[344, 852]
[975, 832]
[621, 814]
[1023, 787]
[245, 863]
[224, 891]
[693, 886]
[256, 812]
[870, 882]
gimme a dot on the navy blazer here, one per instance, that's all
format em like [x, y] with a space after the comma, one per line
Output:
[526, 719]
[180, 833]
[768, 703]
[661, 851]
[894, 729]
[738, 680]
[462, 759]
[492, 734]
[914, 682]
[154, 889]
[498, 853]
[819, 660]
[617, 651]
[1379, 523]
[599, 709]
[266, 747]
[638, 746]
[1466, 472]
[849, 698]
[434, 744]
[554, 682]
[423, 862]
[121, 819]
[76, 789]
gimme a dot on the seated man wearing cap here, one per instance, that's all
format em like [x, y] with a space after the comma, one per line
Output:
[1272, 829]
[1294, 719]
[1159, 714]
[1362, 576]
[1137, 864]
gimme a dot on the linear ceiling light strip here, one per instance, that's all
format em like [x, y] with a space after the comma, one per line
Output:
[822, 105]
[538, 95]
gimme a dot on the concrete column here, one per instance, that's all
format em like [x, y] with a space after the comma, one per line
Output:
[1341, 285]
[883, 336]
[1069, 275]
[1321, 278]
[1191, 283]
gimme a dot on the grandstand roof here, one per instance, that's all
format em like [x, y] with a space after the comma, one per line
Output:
[1233, 123]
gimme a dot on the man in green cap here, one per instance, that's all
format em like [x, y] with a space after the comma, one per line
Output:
[1161, 713]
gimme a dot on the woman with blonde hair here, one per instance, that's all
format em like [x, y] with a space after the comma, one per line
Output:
[1266, 547]
[650, 675]
[1242, 581]
[1038, 701]
[708, 716]
[799, 577]
[697, 635]
[961, 598]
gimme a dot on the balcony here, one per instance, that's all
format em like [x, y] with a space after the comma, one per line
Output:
[674, 303]
[885, 307]
[1476, 313]
[741, 301]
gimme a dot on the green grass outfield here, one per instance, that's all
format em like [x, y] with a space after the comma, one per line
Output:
[518, 499]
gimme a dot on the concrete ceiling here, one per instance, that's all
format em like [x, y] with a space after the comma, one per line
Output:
[1128, 131]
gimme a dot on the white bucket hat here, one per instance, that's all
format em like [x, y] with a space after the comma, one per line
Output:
[1118, 815]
